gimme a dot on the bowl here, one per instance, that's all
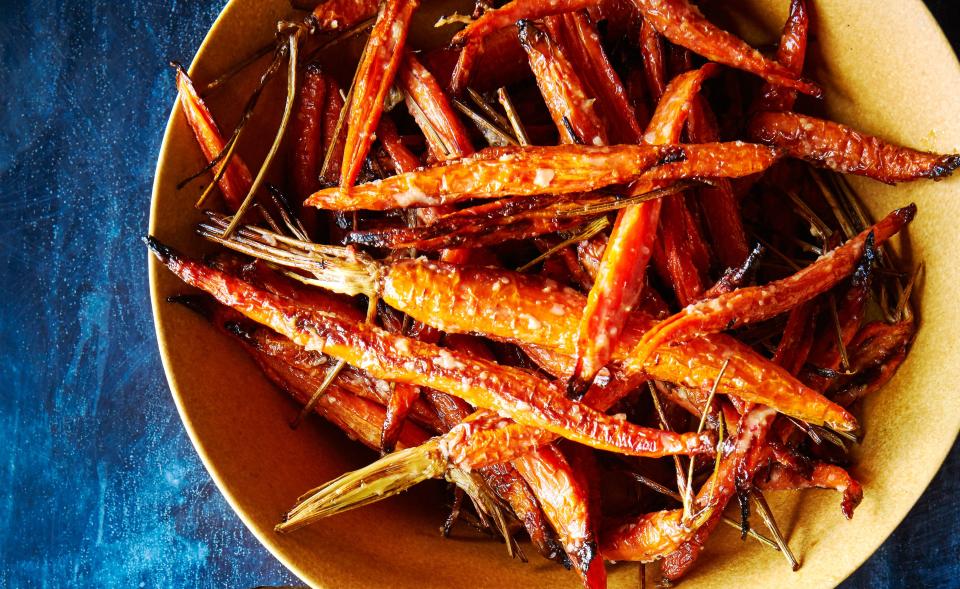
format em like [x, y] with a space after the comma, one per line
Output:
[886, 68]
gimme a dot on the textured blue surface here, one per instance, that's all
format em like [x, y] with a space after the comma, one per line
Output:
[101, 486]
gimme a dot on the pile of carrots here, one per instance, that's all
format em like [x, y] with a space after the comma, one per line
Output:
[587, 262]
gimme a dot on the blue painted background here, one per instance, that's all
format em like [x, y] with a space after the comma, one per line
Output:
[99, 485]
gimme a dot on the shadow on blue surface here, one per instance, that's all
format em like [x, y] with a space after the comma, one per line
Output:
[102, 486]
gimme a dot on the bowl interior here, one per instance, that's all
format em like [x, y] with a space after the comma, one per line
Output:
[238, 422]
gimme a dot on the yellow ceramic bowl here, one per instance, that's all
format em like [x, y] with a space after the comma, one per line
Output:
[886, 68]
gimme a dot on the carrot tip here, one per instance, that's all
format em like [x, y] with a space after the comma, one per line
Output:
[201, 305]
[945, 167]
[163, 252]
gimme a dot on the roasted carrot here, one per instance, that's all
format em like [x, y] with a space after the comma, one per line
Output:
[823, 476]
[577, 34]
[446, 136]
[566, 505]
[471, 38]
[791, 53]
[846, 150]
[375, 75]
[236, 179]
[307, 132]
[682, 23]
[620, 276]
[571, 108]
[748, 305]
[530, 170]
[528, 399]
[343, 14]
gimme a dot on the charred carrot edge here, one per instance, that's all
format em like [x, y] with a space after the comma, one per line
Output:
[629, 247]
[430, 108]
[471, 38]
[343, 14]
[683, 24]
[236, 179]
[791, 53]
[823, 476]
[571, 108]
[565, 503]
[843, 149]
[375, 75]
[751, 304]
[529, 400]
[520, 171]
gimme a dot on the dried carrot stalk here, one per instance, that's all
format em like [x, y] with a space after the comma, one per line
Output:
[528, 399]
[748, 305]
[430, 108]
[375, 74]
[846, 150]
[236, 179]
[471, 38]
[791, 53]
[683, 24]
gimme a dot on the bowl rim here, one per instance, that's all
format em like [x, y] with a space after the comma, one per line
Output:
[265, 537]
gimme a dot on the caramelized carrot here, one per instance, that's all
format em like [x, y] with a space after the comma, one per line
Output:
[446, 136]
[375, 74]
[333, 143]
[683, 24]
[528, 310]
[521, 171]
[236, 180]
[307, 129]
[577, 35]
[791, 53]
[620, 276]
[471, 38]
[343, 14]
[823, 476]
[748, 305]
[570, 107]
[720, 206]
[846, 150]
[528, 399]
[565, 502]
